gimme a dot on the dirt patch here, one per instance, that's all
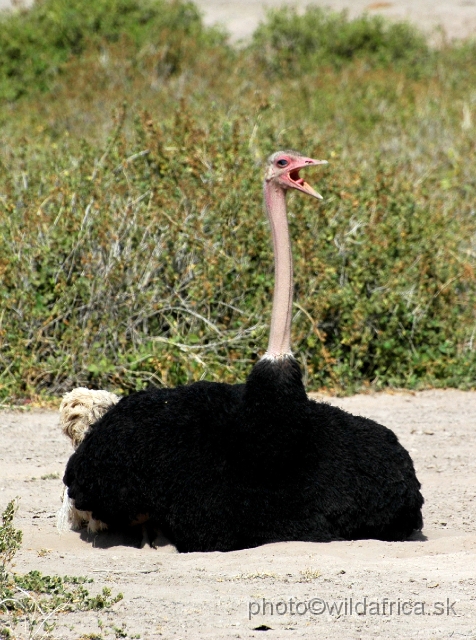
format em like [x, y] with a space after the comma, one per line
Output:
[298, 590]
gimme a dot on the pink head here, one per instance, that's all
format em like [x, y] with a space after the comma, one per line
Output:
[283, 170]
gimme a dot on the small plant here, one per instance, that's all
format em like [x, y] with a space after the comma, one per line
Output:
[40, 597]
[10, 538]
[309, 575]
[120, 632]
[51, 476]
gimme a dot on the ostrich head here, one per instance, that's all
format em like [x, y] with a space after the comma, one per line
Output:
[283, 170]
[282, 174]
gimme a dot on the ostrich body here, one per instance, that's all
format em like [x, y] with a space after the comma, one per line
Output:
[219, 467]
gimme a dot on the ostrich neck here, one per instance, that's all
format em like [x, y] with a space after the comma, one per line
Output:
[280, 334]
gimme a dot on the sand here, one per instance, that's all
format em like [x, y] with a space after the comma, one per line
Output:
[298, 590]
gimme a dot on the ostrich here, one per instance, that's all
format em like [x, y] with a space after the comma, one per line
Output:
[219, 467]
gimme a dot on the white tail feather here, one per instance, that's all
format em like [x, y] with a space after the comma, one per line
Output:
[80, 409]
[64, 519]
[68, 517]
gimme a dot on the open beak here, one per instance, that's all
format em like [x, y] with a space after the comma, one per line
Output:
[292, 179]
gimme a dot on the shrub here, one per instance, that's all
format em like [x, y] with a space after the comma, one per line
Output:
[36, 43]
[290, 43]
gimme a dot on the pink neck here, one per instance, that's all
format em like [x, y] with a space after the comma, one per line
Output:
[280, 334]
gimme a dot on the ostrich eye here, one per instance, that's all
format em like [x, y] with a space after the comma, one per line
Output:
[282, 163]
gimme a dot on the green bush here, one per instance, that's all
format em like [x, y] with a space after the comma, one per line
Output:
[36, 43]
[289, 42]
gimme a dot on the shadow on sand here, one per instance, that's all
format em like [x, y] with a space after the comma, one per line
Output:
[138, 536]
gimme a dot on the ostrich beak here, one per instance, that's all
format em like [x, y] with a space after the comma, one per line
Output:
[292, 179]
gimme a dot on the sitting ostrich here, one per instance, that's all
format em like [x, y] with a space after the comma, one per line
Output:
[219, 467]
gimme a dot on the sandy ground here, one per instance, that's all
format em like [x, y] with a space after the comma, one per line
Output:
[240, 18]
[217, 595]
